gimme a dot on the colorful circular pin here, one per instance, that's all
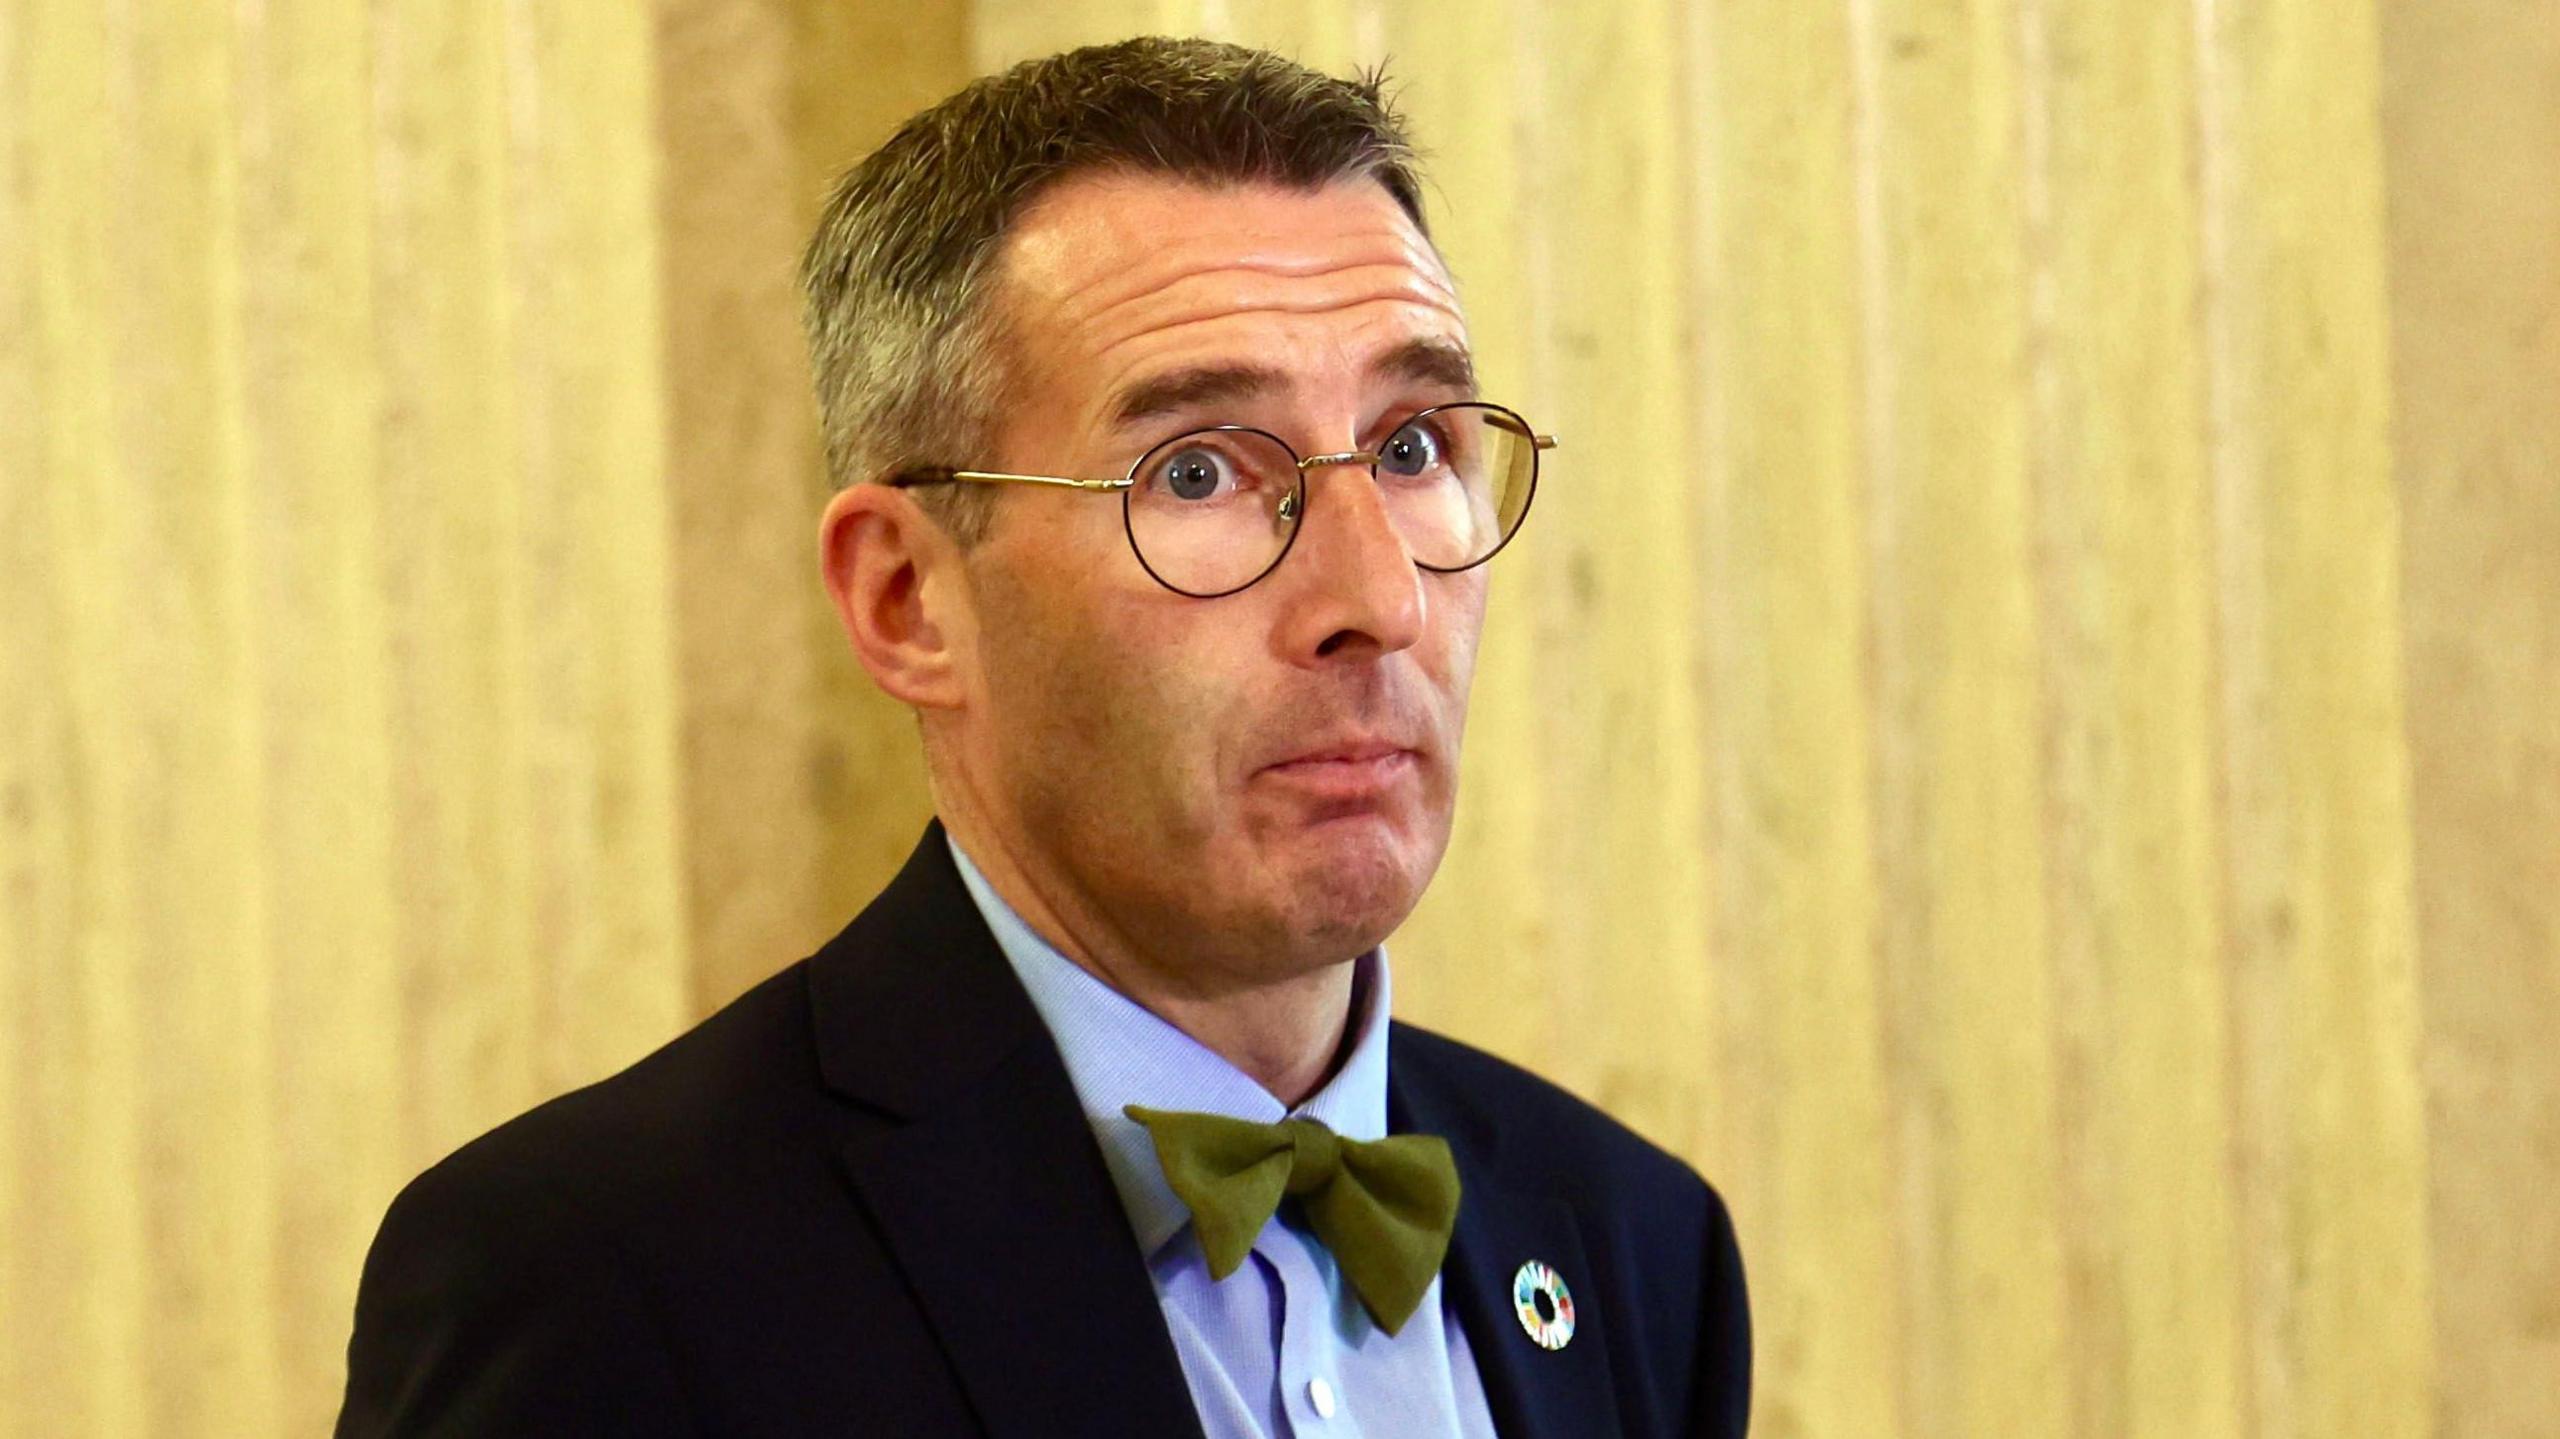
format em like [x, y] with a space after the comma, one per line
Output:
[1544, 1304]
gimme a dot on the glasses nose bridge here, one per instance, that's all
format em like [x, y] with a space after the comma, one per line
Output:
[1366, 459]
[1344, 457]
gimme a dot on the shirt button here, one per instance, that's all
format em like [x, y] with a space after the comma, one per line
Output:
[1320, 1394]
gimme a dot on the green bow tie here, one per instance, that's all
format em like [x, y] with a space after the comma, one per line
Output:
[1383, 1206]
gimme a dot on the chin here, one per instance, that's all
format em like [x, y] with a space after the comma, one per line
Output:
[1356, 883]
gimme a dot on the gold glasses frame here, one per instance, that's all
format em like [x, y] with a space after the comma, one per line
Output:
[1292, 508]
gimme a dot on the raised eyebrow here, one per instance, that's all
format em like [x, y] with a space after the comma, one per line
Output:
[1188, 389]
[1429, 362]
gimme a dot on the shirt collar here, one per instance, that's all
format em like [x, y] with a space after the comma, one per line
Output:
[1119, 1053]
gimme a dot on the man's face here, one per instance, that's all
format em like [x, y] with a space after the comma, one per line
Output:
[1262, 783]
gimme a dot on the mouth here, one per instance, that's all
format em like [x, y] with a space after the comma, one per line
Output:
[1349, 771]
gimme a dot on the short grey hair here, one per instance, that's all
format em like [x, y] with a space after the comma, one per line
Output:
[903, 339]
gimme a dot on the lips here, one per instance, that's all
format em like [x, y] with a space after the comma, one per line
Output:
[1343, 778]
[1346, 752]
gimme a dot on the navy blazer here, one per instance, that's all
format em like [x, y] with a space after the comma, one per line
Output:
[862, 1200]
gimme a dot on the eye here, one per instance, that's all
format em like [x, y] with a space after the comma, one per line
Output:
[1412, 450]
[1195, 472]
[1212, 467]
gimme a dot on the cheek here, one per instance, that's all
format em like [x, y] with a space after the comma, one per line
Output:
[1457, 624]
[1103, 727]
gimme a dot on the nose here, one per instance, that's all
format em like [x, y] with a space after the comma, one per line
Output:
[1354, 591]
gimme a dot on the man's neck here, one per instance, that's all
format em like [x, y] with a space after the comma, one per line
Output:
[1288, 1035]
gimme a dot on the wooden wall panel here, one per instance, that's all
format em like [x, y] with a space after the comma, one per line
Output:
[2015, 738]
[170, 933]
[2118, 451]
[341, 797]
[1959, 794]
[1615, 732]
[528, 597]
[72, 1146]
[2319, 939]
[315, 552]
[2471, 133]
[803, 786]
[1778, 318]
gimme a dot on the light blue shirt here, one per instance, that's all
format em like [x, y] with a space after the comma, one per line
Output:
[1281, 1346]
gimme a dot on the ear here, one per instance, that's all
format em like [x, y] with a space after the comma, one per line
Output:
[895, 578]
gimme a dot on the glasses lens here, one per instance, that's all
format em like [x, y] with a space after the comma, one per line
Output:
[1457, 480]
[1211, 511]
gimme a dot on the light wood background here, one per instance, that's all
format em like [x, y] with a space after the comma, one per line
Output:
[2020, 737]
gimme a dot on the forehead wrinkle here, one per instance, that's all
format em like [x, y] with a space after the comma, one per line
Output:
[1120, 371]
[1290, 250]
[1081, 300]
[1294, 250]
[1135, 308]
[1111, 283]
[1108, 236]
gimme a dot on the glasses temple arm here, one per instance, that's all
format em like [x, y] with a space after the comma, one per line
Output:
[935, 475]
[1501, 421]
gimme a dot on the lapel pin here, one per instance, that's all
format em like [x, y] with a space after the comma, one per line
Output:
[1544, 1304]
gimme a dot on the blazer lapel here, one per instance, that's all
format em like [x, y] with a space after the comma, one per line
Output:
[1533, 1392]
[1548, 1393]
[987, 1186]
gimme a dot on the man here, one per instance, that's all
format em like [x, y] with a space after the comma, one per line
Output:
[1166, 500]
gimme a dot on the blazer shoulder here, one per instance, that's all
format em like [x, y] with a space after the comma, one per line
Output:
[1547, 1136]
[715, 1089]
[1650, 1220]
[516, 1285]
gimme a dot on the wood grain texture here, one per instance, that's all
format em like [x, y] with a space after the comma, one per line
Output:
[2016, 739]
[315, 547]
[2471, 130]
[803, 787]
[1959, 792]
[1778, 355]
[2118, 454]
[341, 815]
[2319, 937]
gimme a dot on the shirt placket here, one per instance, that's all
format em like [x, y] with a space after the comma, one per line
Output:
[1311, 1394]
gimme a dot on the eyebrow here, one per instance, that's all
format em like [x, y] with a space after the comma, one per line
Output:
[1188, 389]
[1428, 362]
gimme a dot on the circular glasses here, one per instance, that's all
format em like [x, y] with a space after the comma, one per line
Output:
[1212, 511]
